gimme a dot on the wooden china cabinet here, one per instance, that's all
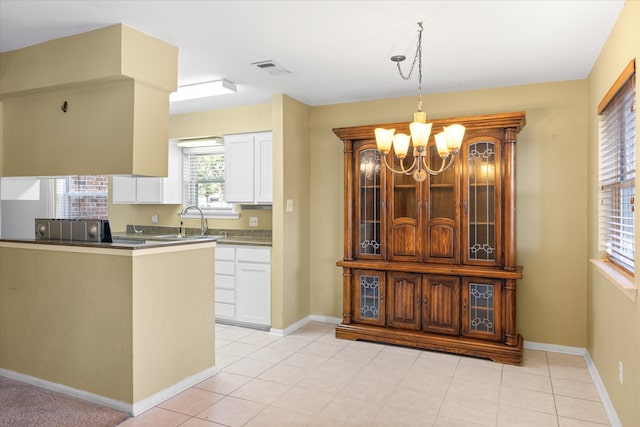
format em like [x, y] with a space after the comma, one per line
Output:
[432, 264]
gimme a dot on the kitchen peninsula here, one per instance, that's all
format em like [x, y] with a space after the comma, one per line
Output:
[124, 325]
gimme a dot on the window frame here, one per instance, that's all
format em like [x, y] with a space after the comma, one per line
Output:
[229, 212]
[617, 141]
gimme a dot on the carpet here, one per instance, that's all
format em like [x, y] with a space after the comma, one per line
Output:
[25, 405]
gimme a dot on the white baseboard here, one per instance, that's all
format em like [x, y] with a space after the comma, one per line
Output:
[614, 420]
[325, 319]
[145, 404]
[292, 328]
[69, 391]
[133, 410]
[300, 323]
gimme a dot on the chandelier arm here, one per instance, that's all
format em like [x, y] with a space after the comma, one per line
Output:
[443, 167]
[403, 171]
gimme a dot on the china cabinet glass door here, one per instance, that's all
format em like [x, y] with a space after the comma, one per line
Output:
[442, 234]
[404, 223]
[481, 308]
[369, 291]
[482, 203]
[369, 204]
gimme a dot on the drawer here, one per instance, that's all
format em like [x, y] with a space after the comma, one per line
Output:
[227, 254]
[225, 310]
[226, 296]
[254, 255]
[228, 282]
[225, 267]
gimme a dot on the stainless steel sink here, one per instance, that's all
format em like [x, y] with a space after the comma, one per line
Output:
[120, 241]
[179, 237]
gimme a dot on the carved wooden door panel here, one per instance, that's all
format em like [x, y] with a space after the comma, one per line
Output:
[403, 300]
[441, 304]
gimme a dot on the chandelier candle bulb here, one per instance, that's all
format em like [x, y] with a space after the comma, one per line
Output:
[454, 134]
[401, 145]
[384, 139]
[420, 133]
[441, 145]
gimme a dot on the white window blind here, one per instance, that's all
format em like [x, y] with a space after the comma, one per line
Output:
[203, 183]
[618, 172]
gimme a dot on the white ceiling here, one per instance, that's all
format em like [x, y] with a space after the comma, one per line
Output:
[339, 51]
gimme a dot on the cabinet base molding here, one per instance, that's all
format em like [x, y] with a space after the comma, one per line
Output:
[495, 351]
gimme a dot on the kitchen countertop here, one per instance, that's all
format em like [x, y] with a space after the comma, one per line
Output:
[122, 244]
[223, 237]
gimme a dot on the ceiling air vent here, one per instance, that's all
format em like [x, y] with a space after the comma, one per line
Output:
[272, 67]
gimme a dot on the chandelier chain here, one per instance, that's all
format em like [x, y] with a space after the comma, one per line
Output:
[416, 58]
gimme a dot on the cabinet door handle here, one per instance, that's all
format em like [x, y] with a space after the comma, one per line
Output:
[425, 300]
[465, 206]
[418, 300]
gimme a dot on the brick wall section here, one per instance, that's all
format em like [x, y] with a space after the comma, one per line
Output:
[92, 205]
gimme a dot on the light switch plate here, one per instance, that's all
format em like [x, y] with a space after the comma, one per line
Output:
[289, 205]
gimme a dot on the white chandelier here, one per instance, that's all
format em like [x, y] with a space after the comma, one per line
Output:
[448, 141]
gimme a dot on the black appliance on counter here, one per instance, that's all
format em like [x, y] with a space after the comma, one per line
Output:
[74, 230]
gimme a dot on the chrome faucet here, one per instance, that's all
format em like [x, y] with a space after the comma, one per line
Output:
[204, 224]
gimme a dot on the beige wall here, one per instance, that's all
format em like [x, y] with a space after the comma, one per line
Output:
[291, 242]
[614, 320]
[551, 171]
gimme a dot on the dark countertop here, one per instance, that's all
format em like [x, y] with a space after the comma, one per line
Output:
[119, 244]
[223, 237]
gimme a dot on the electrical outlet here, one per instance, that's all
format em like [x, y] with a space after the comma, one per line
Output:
[253, 221]
[154, 218]
[620, 372]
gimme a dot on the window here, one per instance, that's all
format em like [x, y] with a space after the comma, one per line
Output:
[203, 181]
[618, 170]
[82, 196]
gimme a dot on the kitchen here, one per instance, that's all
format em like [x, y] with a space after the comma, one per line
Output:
[173, 230]
[552, 244]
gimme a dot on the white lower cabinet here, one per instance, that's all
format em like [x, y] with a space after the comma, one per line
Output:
[243, 284]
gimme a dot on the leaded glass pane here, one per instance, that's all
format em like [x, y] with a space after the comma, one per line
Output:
[481, 209]
[481, 308]
[369, 194]
[370, 297]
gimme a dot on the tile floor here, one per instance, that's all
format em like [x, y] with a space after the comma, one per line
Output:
[310, 378]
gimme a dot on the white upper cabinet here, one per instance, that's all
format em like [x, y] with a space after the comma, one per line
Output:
[138, 190]
[248, 168]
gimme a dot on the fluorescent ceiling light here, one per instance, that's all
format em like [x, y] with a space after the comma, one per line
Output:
[201, 142]
[203, 90]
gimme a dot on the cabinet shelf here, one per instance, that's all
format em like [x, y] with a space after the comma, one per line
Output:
[482, 185]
